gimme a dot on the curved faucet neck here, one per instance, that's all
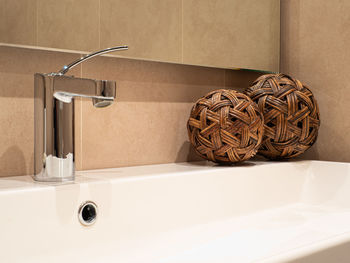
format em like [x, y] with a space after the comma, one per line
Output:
[66, 68]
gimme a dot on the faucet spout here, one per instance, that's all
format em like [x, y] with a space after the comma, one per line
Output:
[65, 88]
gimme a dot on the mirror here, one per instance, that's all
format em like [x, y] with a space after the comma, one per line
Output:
[215, 33]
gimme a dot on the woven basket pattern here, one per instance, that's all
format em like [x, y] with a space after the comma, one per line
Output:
[225, 126]
[291, 115]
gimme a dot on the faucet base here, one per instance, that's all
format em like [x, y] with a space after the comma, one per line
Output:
[57, 170]
[53, 179]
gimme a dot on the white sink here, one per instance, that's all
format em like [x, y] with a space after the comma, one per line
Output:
[186, 212]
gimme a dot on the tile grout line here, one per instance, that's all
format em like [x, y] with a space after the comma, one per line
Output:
[182, 31]
[99, 24]
[37, 22]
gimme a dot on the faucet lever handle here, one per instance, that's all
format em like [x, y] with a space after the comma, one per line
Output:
[66, 68]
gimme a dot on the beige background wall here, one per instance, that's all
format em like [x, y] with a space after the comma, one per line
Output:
[146, 125]
[315, 48]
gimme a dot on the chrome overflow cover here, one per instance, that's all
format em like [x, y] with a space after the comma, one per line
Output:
[87, 213]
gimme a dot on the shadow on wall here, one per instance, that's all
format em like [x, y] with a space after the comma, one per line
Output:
[311, 154]
[137, 80]
[12, 162]
[326, 148]
[187, 154]
[145, 81]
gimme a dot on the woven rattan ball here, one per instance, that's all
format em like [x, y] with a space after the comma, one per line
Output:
[291, 115]
[225, 126]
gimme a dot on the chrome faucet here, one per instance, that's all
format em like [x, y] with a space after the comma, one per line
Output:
[54, 95]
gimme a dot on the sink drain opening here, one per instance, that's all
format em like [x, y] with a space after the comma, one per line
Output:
[87, 213]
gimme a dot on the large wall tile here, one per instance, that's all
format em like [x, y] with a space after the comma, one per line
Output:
[135, 133]
[315, 49]
[18, 22]
[16, 129]
[151, 28]
[17, 67]
[147, 123]
[231, 33]
[69, 24]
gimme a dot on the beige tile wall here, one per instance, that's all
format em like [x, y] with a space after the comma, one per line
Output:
[146, 125]
[315, 48]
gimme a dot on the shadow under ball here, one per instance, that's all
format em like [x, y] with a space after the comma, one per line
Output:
[225, 126]
[291, 115]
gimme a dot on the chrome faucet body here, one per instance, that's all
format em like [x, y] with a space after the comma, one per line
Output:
[54, 95]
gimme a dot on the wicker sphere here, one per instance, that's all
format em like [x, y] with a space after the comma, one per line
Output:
[225, 126]
[291, 115]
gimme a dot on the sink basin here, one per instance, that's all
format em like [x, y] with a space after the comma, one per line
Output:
[184, 212]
